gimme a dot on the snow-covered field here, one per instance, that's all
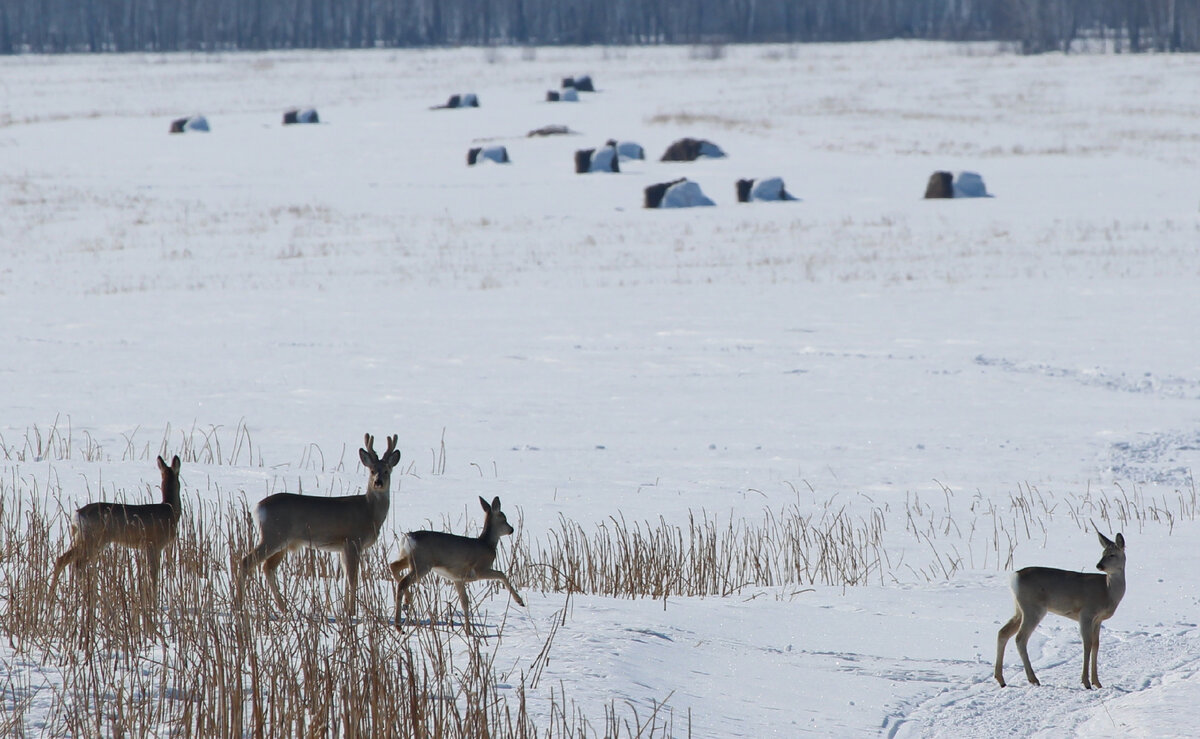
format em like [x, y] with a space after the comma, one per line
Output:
[579, 356]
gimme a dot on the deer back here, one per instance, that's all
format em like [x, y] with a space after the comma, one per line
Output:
[134, 525]
[321, 522]
[127, 524]
[455, 557]
[1067, 593]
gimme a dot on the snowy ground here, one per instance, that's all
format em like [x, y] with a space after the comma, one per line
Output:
[585, 357]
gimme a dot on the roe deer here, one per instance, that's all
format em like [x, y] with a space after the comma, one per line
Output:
[346, 524]
[459, 559]
[1083, 597]
[149, 527]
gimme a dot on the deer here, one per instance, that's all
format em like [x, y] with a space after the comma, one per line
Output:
[459, 559]
[149, 527]
[1088, 598]
[346, 524]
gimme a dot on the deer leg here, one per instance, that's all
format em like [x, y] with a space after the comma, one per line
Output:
[1029, 621]
[68, 557]
[269, 566]
[350, 561]
[498, 575]
[1006, 632]
[461, 587]
[403, 586]
[81, 553]
[249, 562]
[1085, 630]
[153, 565]
[1091, 650]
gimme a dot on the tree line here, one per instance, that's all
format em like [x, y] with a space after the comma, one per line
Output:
[1033, 26]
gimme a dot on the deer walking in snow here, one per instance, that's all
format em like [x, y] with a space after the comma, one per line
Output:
[149, 527]
[1084, 597]
[346, 524]
[459, 559]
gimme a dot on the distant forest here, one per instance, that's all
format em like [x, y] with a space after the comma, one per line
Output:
[1033, 26]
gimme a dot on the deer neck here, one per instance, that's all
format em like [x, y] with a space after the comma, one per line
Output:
[170, 496]
[490, 534]
[1116, 586]
[379, 499]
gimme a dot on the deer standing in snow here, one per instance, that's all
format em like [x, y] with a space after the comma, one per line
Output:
[1084, 597]
[149, 527]
[459, 559]
[347, 524]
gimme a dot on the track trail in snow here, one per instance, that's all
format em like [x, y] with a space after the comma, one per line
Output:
[1131, 663]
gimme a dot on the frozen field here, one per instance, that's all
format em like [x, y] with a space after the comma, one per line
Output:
[537, 335]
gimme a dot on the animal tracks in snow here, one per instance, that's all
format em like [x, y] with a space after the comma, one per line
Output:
[1138, 668]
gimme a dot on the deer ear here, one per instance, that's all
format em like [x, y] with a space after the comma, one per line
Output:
[486, 508]
[394, 458]
[1120, 541]
[1105, 541]
[496, 503]
[162, 465]
[364, 457]
[175, 464]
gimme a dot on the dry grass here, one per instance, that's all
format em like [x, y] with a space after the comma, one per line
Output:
[709, 120]
[706, 557]
[196, 445]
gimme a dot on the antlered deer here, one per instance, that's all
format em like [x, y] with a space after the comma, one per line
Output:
[346, 524]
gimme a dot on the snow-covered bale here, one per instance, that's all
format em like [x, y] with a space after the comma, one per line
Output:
[191, 123]
[652, 196]
[627, 150]
[566, 95]
[681, 193]
[689, 149]
[582, 83]
[969, 185]
[604, 159]
[482, 154]
[300, 115]
[940, 185]
[766, 189]
[686, 194]
[463, 100]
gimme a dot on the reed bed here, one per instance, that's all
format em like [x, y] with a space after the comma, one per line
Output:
[104, 657]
